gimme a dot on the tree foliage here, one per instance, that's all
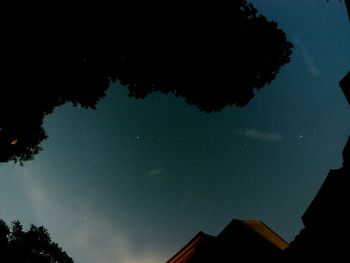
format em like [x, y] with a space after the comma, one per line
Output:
[212, 55]
[33, 246]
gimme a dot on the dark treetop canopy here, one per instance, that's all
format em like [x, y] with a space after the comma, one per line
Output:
[213, 55]
[33, 246]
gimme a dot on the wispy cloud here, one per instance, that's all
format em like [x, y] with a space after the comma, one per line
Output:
[155, 172]
[99, 240]
[307, 57]
[263, 136]
[87, 237]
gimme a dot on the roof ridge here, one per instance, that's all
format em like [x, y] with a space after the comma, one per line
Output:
[197, 238]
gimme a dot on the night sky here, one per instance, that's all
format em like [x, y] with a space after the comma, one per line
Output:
[135, 180]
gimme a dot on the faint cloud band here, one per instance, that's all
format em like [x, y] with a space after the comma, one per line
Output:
[155, 172]
[263, 136]
[308, 59]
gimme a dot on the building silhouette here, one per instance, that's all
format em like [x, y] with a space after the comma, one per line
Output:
[326, 234]
[345, 83]
[240, 239]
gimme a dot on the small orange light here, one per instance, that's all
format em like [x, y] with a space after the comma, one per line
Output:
[14, 142]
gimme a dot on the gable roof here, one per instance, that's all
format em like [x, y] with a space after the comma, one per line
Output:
[188, 251]
[345, 83]
[235, 229]
[265, 232]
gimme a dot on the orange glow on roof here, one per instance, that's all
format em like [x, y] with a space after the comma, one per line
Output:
[263, 230]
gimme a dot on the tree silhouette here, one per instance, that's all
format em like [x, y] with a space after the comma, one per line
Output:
[33, 246]
[212, 55]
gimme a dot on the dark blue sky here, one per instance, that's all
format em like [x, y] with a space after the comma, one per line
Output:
[135, 180]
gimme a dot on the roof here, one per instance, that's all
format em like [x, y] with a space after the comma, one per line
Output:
[347, 3]
[345, 85]
[189, 252]
[261, 229]
[189, 249]
[266, 232]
